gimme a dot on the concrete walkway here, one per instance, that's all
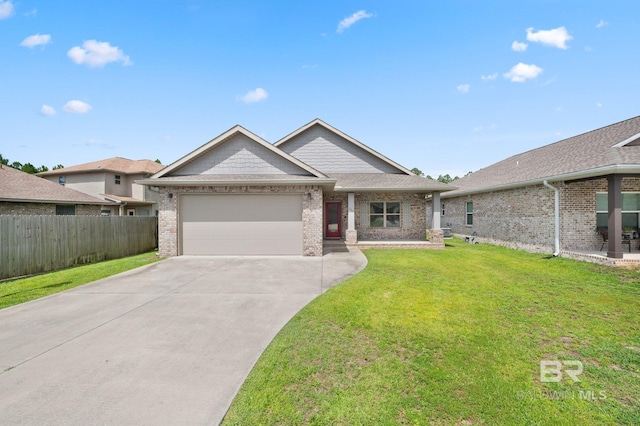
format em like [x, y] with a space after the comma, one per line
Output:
[168, 343]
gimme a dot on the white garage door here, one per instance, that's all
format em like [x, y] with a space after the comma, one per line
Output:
[231, 224]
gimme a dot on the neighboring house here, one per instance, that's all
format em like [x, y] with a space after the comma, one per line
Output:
[112, 180]
[239, 194]
[597, 179]
[25, 194]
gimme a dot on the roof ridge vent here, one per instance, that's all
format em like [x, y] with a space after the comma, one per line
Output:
[632, 141]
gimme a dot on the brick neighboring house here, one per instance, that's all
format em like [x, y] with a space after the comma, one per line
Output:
[238, 194]
[25, 194]
[596, 176]
[112, 180]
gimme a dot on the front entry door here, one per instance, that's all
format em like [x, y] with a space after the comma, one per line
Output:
[332, 219]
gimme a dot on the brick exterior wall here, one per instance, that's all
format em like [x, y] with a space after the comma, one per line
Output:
[87, 210]
[44, 209]
[578, 212]
[417, 230]
[311, 212]
[523, 217]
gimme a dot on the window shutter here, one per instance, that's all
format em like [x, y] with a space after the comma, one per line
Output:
[364, 214]
[406, 214]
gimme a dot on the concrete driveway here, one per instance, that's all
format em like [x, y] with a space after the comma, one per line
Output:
[168, 343]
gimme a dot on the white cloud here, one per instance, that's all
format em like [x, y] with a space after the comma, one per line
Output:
[100, 144]
[489, 77]
[97, 54]
[6, 9]
[254, 96]
[483, 128]
[522, 72]
[309, 67]
[548, 82]
[350, 20]
[77, 107]
[36, 40]
[557, 37]
[601, 24]
[519, 47]
[463, 88]
[47, 110]
[599, 105]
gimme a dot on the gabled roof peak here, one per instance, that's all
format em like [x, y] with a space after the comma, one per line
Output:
[346, 137]
[226, 136]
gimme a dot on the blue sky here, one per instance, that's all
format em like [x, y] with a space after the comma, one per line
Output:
[445, 86]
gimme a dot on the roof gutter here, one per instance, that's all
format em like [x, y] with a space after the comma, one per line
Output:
[159, 182]
[583, 174]
[33, 200]
[396, 189]
[556, 241]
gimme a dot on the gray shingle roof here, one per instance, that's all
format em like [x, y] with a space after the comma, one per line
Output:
[19, 186]
[587, 155]
[359, 182]
[115, 164]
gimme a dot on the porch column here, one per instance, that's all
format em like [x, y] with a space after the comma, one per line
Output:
[615, 216]
[351, 235]
[436, 234]
[435, 224]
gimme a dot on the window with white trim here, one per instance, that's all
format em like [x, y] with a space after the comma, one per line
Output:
[630, 210]
[384, 214]
[117, 179]
[62, 180]
[469, 213]
[442, 209]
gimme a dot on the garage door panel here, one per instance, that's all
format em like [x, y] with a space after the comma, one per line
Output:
[242, 231]
[238, 208]
[246, 224]
[234, 215]
[239, 248]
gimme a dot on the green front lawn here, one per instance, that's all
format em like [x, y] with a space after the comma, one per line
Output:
[22, 290]
[455, 337]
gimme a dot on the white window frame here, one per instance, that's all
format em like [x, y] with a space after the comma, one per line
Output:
[62, 180]
[385, 214]
[117, 179]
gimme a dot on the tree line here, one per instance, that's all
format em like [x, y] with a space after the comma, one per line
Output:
[446, 178]
[27, 167]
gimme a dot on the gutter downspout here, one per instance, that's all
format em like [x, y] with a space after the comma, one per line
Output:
[556, 244]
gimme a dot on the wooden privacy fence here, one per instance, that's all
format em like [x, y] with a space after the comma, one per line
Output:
[33, 244]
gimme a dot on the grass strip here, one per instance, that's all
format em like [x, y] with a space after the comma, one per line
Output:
[22, 290]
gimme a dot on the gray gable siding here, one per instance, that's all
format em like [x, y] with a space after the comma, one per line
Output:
[329, 153]
[238, 156]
